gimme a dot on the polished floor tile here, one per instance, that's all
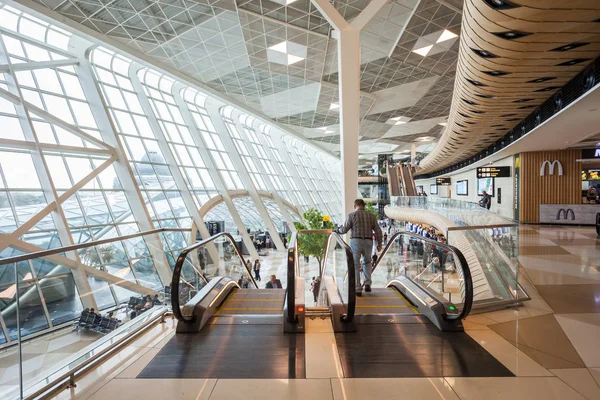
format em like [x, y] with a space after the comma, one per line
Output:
[570, 299]
[512, 358]
[542, 339]
[156, 389]
[322, 358]
[583, 331]
[531, 388]
[542, 250]
[538, 277]
[391, 388]
[261, 389]
[581, 380]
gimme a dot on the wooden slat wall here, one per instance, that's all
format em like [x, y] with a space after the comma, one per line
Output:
[548, 189]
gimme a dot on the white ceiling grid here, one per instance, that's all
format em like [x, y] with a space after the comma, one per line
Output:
[225, 45]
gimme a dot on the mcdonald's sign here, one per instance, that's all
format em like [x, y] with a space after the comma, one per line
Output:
[551, 166]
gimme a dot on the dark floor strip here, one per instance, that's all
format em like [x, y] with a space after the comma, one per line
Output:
[413, 350]
[243, 351]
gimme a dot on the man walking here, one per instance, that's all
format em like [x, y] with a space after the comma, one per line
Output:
[486, 200]
[363, 224]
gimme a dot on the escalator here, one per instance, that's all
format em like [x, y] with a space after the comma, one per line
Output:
[408, 183]
[230, 320]
[410, 324]
[406, 282]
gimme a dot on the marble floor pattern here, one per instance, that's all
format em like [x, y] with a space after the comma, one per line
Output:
[551, 344]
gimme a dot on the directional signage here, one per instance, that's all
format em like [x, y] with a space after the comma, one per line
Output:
[590, 153]
[443, 182]
[493, 172]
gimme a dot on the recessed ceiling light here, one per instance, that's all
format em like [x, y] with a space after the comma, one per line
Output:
[443, 124]
[569, 46]
[548, 89]
[523, 100]
[496, 73]
[476, 83]
[500, 4]
[334, 106]
[511, 35]
[286, 53]
[446, 35]
[280, 47]
[543, 79]
[423, 51]
[293, 59]
[484, 53]
[573, 62]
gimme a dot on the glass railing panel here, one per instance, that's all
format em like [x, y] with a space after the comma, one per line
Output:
[201, 262]
[496, 249]
[436, 267]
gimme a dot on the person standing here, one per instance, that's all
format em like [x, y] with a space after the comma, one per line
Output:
[257, 270]
[363, 224]
[486, 200]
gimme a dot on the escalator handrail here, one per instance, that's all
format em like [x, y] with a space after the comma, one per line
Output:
[181, 260]
[291, 277]
[468, 303]
[351, 303]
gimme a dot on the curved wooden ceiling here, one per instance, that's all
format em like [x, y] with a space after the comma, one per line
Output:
[509, 63]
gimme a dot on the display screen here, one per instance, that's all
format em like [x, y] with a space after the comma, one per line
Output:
[432, 189]
[486, 184]
[420, 189]
[584, 176]
[593, 175]
[462, 188]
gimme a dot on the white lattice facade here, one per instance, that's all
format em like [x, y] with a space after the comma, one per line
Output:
[95, 144]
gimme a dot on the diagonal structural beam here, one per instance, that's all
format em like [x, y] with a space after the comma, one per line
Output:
[29, 66]
[331, 14]
[367, 14]
[53, 120]
[72, 264]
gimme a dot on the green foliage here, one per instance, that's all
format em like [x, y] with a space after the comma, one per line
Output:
[382, 171]
[370, 208]
[313, 244]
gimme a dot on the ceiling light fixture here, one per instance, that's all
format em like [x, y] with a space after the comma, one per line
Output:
[569, 46]
[286, 53]
[548, 89]
[443, 124]
[476, 83]
[334, 106]
[484, 53]
[423, 51]
[496, 73]
[573, 62]
[511, 35]
[500, 4]
[446, 35]
[543, 79]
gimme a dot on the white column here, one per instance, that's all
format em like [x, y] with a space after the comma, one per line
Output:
[262, 210]
[214, 174]
[349, 86]
[214, 110]
[122, 168]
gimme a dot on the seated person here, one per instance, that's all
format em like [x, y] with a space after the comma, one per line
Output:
[156, 300]
[273, 283]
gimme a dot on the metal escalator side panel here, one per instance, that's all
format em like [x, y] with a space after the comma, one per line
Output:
[465, 271]
[183, 257]
[434, 308]
[298, 313]
[339, 316]
[204, 305]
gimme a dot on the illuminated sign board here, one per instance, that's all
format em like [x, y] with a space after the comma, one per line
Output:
[443, 182]
[493, 172]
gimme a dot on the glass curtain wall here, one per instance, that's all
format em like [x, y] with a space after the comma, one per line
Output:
[106, 147]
